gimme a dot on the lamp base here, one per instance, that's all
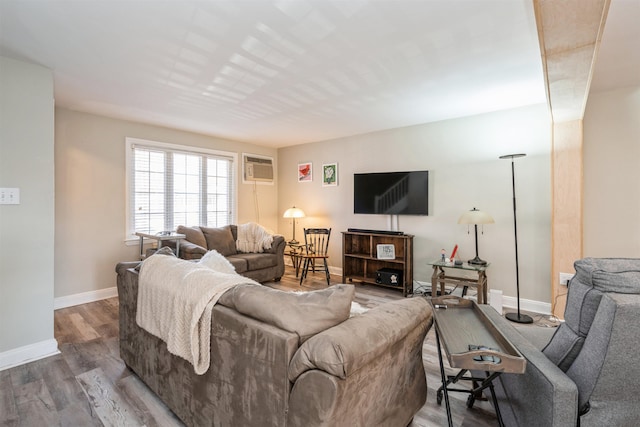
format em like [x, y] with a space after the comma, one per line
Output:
[519, 318]
[477, 261]
[293, 242]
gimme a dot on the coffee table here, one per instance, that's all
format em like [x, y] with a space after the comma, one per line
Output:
[471, 342]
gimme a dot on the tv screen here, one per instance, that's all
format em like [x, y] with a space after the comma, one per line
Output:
[391, 193]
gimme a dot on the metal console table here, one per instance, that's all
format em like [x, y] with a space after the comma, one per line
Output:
[472, 343]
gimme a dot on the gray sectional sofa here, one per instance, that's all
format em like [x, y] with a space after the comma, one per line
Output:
[261, 267]
[588, 374]
[288, 359]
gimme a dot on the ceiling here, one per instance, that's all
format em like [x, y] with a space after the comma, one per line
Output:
[286, 72]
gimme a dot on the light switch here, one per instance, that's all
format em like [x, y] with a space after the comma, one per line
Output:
[9, 196]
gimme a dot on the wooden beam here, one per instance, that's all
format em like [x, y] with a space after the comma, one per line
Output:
[569, 32]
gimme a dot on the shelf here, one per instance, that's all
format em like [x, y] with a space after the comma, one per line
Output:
[367, 281]
[363, 256]
[360, 261]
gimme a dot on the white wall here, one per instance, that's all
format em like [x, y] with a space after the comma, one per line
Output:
[612, 174]
[27, 229]
[465, 172]
[90, 195]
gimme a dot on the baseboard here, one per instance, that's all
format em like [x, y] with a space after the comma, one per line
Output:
[507, 302]
[511, 302]
[527, 305]
[334, 271]
[28, 353]
[84, 297]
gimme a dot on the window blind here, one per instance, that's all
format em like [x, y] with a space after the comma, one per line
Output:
[171, 185]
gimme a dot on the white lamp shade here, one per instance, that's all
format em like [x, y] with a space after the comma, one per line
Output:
[293, 213]
[475, 216]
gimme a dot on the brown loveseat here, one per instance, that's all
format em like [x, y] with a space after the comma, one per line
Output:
[261, 267]
[276, 362]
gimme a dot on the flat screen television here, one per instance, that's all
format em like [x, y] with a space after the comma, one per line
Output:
[391, 193]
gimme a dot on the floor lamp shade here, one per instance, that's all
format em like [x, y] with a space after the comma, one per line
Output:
[475, 217]
[516, 317]
[293, 213]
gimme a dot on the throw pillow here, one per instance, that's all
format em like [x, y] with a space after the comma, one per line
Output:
[305, 313]
[215, 261]
[220, 239]
[194, 235]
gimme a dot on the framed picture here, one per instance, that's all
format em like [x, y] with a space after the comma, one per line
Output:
[305, 172]
[386, 251]
[330, 175]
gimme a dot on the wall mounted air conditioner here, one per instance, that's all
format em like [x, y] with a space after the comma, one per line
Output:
[257, 169]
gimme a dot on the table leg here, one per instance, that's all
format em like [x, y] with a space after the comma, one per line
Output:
[442, 281]
[141, 248]
[444, 382]
[482, 287]
[496, 406]
[434, 282]
[485, 287]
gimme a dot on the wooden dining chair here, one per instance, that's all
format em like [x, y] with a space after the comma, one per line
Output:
[316, 248]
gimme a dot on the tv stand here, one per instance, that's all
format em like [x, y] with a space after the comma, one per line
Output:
[366, 231]
[360, 262]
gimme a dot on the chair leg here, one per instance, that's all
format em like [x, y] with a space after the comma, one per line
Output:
[326, 269]
[305, 269]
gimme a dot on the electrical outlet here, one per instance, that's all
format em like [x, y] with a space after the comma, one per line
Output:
[565, 278]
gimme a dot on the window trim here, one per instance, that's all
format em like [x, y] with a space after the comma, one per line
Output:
[132, 239]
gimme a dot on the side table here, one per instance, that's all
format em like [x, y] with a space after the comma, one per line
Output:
[294, 253]
[160, 237]
[440, 277]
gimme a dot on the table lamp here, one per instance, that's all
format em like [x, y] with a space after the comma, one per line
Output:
[475, 217]
[293, 213]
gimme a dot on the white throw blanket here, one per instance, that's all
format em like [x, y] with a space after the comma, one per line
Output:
[253, 237]
[175, 299]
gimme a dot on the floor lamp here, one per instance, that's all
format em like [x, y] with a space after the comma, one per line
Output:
[516, 317]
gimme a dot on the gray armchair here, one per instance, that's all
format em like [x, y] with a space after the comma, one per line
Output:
[589, 372]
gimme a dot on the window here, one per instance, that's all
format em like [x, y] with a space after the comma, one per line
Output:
[171, 185]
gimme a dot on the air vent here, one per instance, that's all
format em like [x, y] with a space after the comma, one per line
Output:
[257, 169]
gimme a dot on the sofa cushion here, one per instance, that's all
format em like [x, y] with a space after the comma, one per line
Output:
[194, 235]
[239, 263]
[220, 239]
[215, 261]
[564, 347]
[304, 313]
[620, 275]
[258, 261]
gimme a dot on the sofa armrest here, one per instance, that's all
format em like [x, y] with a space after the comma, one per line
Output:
[347, 347]
[121, 267]
[278, 245]
[543, 395]
[190, 250]
[367, 371]
[607, 369]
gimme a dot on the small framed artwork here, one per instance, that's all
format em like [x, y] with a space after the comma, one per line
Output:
[330, 175]
[305, 172]
[386, 251]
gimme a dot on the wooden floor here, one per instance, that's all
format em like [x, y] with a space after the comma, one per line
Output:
[89, 385]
